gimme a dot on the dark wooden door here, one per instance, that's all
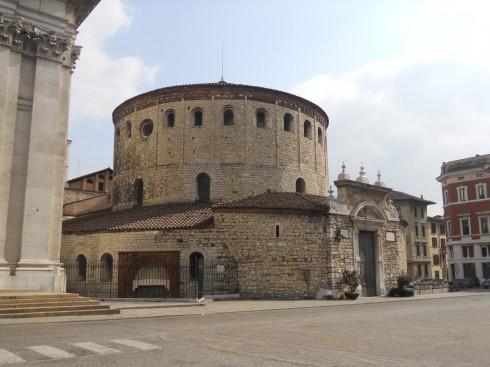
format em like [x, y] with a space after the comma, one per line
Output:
[368, 263]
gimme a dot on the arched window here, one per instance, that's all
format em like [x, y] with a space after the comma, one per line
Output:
[128, 129]
[320, 136]
[118, 132]
[261, 118]
[228, 117]
[146, 128]
[277, 231]
[197, 118]
[82, 267]
[170, 119]
[203, 187]
[300, 186]
[107, 266]
[307, 129]
[196, 265]
[90, 181]
[288, 122]
[138, 192]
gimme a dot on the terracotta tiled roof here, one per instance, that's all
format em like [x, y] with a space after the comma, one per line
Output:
[275, 200]
[397, 195]
[163, 216]
[74, 195]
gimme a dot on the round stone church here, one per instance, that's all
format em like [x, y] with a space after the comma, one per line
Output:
[223, 189]
[213, 142]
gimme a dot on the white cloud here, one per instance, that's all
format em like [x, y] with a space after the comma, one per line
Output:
[405, 116]
[101, 82]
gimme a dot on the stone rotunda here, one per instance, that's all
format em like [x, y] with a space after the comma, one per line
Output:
[223, 189]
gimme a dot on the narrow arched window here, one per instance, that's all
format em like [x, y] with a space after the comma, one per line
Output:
[307, 129]
[277, 231]
[203, 187]
[261, 119]
[320, 136]
[288, 122]
[196, 265]
[118, 132]
[300, 186]
[82, 267]
[138, 192]
[107, 266]
[170, 119]
[228, 117]
[197, 118]
[128, 129]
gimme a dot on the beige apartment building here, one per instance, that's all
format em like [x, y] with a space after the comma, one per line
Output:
[437, 246]
[420, 253]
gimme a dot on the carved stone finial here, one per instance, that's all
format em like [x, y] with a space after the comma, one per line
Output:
[379, 182]
[343, 175]
[361, 177]
[330, 191]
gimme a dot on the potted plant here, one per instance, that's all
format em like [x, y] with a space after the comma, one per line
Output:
[405, 287]
[350, 279]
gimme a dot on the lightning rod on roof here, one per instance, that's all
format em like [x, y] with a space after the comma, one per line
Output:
[222, 63]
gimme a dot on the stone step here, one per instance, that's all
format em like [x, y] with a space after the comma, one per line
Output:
[43, 304]
[11, 296]
[106, 311]
[93, 306]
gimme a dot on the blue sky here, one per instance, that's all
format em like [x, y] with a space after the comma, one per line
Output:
[405, 83]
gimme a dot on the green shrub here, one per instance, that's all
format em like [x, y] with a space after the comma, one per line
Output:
[403, 280]
[400, 292]
[350, 279]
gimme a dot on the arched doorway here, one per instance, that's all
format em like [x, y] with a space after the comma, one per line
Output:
[368, 219]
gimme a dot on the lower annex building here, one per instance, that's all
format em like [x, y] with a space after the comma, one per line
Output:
[230, 182]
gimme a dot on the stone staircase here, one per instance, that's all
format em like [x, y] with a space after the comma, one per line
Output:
[44, 304]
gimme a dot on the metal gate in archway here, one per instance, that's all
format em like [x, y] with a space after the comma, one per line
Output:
[150, 276]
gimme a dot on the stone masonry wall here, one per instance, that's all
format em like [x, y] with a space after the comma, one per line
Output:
[241, 159]
[269, 266]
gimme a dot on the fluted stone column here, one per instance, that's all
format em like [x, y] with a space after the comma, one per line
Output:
[37, 56]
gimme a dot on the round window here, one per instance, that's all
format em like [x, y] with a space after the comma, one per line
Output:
[146, 128]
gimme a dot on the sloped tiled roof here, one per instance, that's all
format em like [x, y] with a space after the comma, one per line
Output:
[398, 195]
[275, 200]
[187, 214]
[74, 195]
[163, 216]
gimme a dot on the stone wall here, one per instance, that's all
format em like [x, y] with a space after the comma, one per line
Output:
[269, 266]
[273, 249]
[241, 159]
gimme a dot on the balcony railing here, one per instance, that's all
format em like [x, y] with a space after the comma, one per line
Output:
[419, 259]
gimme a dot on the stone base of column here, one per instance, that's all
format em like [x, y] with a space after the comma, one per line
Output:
[45, 279]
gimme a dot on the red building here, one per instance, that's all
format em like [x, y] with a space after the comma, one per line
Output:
[465, 190]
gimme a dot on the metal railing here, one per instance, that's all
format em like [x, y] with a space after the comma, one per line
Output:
[184, 279]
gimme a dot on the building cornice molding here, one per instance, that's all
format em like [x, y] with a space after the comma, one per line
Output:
[32, 39]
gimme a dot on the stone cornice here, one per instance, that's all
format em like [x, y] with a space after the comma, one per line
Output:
[221, 90]
[82, 9]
